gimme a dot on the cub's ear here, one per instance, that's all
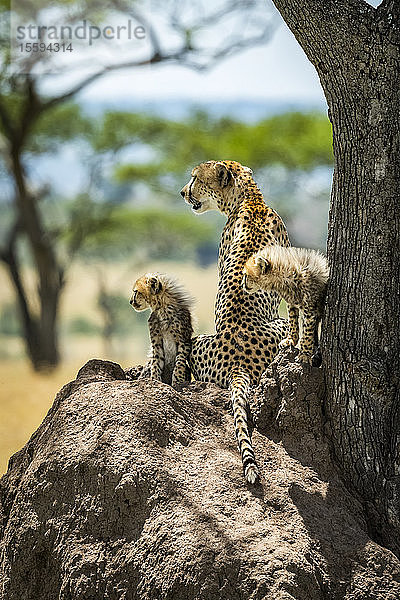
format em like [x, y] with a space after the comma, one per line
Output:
[223, 175]
[248, 170]
[263, 265]
[155, 285]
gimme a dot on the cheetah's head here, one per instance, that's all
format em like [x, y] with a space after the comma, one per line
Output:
[145, 291]
[255, 268]
[212, 183]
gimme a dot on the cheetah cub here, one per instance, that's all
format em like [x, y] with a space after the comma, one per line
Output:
[170, 325]
[300, 276]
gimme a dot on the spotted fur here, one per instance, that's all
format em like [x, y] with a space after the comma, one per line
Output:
[248, 328]
[170, 325]
[300, 277]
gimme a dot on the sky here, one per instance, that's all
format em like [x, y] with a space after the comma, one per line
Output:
[277, 70]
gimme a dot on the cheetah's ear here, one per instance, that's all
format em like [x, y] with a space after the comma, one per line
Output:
[155, 285]
[263, 264]
[248, 170]
[223, 175]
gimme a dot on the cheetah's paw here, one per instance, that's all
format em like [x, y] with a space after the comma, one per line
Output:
[305, 357]
[286, 343]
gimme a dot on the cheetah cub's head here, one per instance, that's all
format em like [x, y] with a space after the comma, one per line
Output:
[145, 291]
[256, 267]
[211, 185]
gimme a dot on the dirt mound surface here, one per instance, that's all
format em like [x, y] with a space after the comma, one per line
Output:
[132, 490]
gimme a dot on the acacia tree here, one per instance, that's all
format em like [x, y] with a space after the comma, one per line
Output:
[24, 103]
[355, 49]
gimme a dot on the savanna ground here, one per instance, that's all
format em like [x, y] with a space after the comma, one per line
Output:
[26, 396]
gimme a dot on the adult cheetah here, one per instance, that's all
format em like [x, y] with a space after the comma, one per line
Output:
[248, 327]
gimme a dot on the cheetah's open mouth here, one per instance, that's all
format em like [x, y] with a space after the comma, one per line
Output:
[195, 203]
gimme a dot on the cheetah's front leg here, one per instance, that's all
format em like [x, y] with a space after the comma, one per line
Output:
[157, 359]
[293, 337]
[307, 338]
[182, 356]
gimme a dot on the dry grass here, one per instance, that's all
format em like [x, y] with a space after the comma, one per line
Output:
[25, 398]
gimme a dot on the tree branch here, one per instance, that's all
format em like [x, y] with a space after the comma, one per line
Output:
[210, 19]
[31, 110]
[6, 121]
[156, 58]
[137, 16]
[226, 51]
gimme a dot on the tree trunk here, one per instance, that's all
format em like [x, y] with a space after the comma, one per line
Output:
[28, 322]
[355, 49]
[40, 338]
[40, 333]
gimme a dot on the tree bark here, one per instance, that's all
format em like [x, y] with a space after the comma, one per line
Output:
[356, 52]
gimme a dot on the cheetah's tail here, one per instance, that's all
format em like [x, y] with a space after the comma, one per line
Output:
[240, 387]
